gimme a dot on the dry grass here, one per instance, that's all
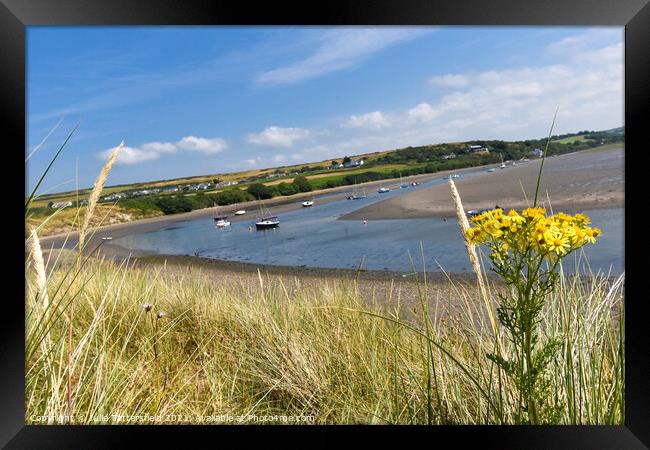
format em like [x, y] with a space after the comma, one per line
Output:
[95, 193]
[263, 349]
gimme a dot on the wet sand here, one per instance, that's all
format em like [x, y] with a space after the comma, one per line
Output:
[590, 179]
[385, 289]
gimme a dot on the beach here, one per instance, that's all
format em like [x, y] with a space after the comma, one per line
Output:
[590, 179]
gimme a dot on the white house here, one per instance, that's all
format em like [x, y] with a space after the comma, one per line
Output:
[115, 196]
[225, 184]
[353, 163]
[60, 205]
[478, 149]
[538, 153]
[140, 193]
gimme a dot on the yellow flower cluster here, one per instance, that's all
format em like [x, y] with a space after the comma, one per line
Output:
[559, 234]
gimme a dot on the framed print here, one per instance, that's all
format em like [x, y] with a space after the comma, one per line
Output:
[398, 218]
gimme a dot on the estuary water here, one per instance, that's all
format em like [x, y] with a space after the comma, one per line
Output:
[314, 237]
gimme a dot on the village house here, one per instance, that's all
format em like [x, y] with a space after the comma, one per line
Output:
[58, 205]
[115, 196]
[200, 187]
[353, 163]
[449, 156]
[226, 184]
[538, 153]
[478, 149]
[141, 193]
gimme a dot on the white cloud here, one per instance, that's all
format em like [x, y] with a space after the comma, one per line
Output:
[252, 161]
[589, 39]
[449, 80]
[601, 56]
[423, 112]
[373, 120]
[130, 155]
[509, 104]
[203, 145]
[339, 49]
[158, 147]
[278, 137]
[279, 158]
[146, 152]
[153, 150]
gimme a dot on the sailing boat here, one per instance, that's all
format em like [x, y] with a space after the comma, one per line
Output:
[354, 195]
[220, 221]
[357, 196]
[266, 220]
[308, 203]
[401, 183]
[502, 166]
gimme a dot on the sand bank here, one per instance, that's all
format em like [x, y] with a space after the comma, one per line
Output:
[590, 179]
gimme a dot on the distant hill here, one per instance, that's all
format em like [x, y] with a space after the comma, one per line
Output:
[408, 160]
[619, 130]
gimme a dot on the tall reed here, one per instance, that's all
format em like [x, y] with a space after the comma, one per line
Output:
[96, 193]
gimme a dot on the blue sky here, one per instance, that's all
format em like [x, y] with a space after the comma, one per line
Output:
[202, 100]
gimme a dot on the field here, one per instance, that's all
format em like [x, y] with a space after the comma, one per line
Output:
[67, 219]
[43, 200]
[572, 139]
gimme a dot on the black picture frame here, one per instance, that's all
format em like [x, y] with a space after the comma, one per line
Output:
[16, 15]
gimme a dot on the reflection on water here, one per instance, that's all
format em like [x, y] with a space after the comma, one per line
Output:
[314, 237]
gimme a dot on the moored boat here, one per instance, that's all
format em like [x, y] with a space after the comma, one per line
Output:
[265, 223]
[308, 203]
[383, 190]
[220, 221]
[241, 212]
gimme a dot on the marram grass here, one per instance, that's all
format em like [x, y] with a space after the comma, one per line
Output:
[152, 346]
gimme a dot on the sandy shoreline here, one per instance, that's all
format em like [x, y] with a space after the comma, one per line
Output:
[590, 179]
